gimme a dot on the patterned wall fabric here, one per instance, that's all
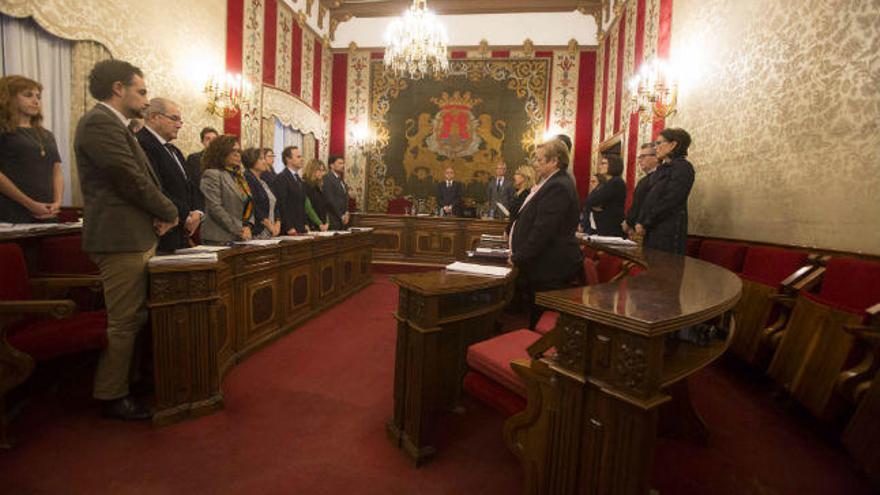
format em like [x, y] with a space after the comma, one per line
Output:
[783, 102]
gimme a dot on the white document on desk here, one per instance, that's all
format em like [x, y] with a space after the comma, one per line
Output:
[183, 259]
[603, 239]
[475, 269]
[293, 237]
[258, 242]
[502, 208]
[201, 249]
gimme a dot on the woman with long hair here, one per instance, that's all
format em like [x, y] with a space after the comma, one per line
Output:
[229, 203]
[603, 208]
[523, 181]
[316, 205]
[266, 221]
[31, 182]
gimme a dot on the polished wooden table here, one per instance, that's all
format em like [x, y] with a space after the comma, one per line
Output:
[439, 315]
[424, 240]
[622, 350]
[206, 318]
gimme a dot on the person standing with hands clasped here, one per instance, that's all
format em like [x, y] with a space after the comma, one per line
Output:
[229, 203]
[124, 214]
[663, 219]
[31, 183]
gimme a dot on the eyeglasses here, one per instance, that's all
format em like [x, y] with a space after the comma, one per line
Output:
[174, 118]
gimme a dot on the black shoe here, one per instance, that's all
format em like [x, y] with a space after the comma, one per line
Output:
[126, 408]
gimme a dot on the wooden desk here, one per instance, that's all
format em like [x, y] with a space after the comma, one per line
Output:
[439, 315]
[424, 240]
[592, 414]
[206, 318]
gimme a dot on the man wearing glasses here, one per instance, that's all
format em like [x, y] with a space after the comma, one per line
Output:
[161, 124]
[647, 161]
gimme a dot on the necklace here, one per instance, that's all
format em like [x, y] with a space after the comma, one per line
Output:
[38, 140]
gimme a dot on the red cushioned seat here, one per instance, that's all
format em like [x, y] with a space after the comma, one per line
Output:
[47, 339]
[608, 267]
[492, 358]
[730, 255]
[547, 322]
[64, 254]
[849, 284]
[14, 281]
[770, 266]
[398, 206]
[493, 394]
[692, 248]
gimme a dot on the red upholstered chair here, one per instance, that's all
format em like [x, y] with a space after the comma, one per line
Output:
[692, 248]
[64, 255]
[38, 329]
[814, 348]
[764, 270]
[730, 255]
[398, 206]
[491, 379]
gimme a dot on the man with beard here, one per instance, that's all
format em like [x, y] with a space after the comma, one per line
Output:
[124, 214]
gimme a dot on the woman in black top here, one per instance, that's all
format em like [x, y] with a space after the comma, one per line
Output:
[663, 218]
[606, 202]
[31, 183]
[523, 181]
[316, 205]
[266, 221]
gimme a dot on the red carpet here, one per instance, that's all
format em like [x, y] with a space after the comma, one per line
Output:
[306, 416]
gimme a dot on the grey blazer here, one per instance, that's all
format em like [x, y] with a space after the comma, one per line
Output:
[503, 196]
[224, 203]
[336, 195]
[122, 193]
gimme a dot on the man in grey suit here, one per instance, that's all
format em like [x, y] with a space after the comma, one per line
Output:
[124, 214]
[336, 194]
[500, 190]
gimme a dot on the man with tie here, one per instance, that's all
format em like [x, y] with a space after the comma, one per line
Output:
[336, 194]
[290, 194]
[124, 214]
[449, 194]
[161, 125]
[500, 190]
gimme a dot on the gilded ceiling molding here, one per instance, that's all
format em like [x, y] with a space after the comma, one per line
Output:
[301, 18]
[334, 23]
[572, 46]
[483, 51]
[595, 12]
[68, 21]
[309, 4]
[292, 111]
[322, 11]
[352, 47]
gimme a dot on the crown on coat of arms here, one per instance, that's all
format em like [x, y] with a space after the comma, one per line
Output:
[457, 100]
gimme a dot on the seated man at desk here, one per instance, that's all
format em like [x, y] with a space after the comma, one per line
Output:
[542, 240]
[449, 195]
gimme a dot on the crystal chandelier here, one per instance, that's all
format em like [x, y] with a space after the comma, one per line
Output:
[416, 44]
[654, 91]
[226, 93]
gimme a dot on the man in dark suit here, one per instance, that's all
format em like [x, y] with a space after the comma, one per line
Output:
[336, 194]
[163, 121]
[543, 243]
[647, 160]
[449, 194]
[193, 163]
[290, 194]
[500, 190]
[124, 213]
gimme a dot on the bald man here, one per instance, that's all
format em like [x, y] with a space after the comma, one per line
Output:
[162, 121]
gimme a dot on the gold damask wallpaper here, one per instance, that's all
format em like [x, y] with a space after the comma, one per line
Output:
[175, 43]
[782, 100]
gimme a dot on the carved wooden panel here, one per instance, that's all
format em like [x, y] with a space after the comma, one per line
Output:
[572, 349]
[259, 308]
[174, 286]
[299, 286]
[434, 242]
[327, 278]
[387, 240]
[262, 305]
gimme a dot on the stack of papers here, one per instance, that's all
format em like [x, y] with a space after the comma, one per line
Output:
[183, 259]
[496, 251]
[475, 269]
[490, 237]
[201, 249]
[293, 237]
[258, 242]
[602, 239]
[361, 229]
[329, 233]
